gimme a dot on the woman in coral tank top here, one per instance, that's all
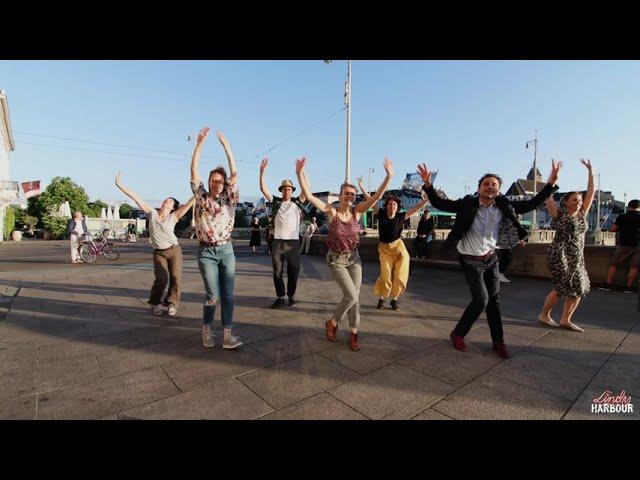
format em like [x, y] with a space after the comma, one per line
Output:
[343, 240]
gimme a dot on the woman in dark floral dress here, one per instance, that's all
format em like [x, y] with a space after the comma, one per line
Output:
[566, 255]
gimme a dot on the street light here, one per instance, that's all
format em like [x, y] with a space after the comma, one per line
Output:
[347, 103]
[534, 217]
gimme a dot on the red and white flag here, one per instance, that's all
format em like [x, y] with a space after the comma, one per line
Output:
[31, 189]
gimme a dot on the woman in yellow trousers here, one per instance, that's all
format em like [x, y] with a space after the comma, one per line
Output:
[394, 257]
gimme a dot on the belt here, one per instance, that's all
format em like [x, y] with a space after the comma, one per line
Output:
[164, 249]
[487, 255]
[213, 244]
[344, 252]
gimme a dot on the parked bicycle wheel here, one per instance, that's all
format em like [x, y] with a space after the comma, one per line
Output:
[87, 253]
[110, 251]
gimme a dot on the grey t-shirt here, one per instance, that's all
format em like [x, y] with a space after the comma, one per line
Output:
[161, 234]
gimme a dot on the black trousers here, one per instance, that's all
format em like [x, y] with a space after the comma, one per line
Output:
[504, 259]
[289, 251]
[484, 283]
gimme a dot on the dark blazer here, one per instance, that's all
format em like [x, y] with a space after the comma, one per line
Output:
[71, 226]
[467, 207]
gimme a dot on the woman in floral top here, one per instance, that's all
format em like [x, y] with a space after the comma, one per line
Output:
[214, 219]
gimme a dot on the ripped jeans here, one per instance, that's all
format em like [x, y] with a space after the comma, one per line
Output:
[218, 269]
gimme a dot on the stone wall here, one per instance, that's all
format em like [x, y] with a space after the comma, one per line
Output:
[528, 261]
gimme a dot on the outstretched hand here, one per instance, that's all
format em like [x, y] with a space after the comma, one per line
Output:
[264, 164]
[202, 136]
[425, 173]
[118, 178]
[586, 163]
[222, 138]
[388, 166]
[300, 164]
[555, 170]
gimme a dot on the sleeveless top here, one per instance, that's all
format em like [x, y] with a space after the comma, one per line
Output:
[343, 236]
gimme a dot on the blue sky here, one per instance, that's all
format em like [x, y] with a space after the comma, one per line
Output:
[463, 118]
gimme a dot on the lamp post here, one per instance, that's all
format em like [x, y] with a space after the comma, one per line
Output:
[347, 103]
[534, 216]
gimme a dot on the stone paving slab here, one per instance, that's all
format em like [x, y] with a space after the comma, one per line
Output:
[227, 399]
[290, 382]
[295, 345]
[23, 408]
[201, 366]
[449, 365]
[105, 397]
[431, 414]
[572, 348]
[375, 353]
[492, 398]
[393, 393]
[555, 377]
[319, 407]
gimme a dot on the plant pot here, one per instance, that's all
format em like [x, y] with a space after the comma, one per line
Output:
[16, 235]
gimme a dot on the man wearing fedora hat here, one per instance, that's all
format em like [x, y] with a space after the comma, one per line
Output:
[287, 212]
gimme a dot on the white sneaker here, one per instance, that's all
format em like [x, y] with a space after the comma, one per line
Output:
[157, 310]
[172, 311]
[231, 342]
[207, 336]
[504, 279]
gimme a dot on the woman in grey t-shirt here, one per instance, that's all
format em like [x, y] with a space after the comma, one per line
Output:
[167, 254]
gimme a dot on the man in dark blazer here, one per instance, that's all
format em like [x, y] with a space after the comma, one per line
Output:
[475, 236]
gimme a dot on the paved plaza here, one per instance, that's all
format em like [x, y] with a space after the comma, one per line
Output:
[79, 342]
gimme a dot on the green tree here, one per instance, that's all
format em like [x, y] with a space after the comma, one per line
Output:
[125, 210]
[9, 222]
[60, 190]
[56, 226]
[93, 209]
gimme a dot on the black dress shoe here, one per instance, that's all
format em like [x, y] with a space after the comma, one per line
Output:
[380, 305]
[278, 303]
[394, 304]
[292, 301]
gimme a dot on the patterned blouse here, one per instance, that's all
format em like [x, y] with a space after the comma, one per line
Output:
[215, 218]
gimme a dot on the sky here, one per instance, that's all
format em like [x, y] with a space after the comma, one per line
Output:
[462, 118]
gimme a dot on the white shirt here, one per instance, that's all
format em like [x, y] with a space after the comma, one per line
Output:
[287, 221]
[79, 230]
[482, 237]
[161, 234]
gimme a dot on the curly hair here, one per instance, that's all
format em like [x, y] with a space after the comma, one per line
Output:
[487, 175]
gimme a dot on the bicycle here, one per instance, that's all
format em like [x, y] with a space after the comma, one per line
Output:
[89, 250]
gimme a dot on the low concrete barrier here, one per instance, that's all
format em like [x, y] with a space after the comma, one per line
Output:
[528, 261]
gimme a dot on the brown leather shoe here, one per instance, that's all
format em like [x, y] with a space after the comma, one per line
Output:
[353, 342]
[501, 349]
[458, 342]
[331, 331]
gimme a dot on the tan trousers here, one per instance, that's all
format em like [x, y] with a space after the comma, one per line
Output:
[167, 265]
[394, 269]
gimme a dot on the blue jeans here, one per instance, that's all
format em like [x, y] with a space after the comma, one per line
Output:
[218, 269]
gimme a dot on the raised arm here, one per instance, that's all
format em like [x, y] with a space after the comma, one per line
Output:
[416, 208]
[141, 203]
[443, 204]
[233, 171]
[588, 198]
[552, 207]
[195, 158]
[179, 213]
[306, 190]
[366, 205]
[263, 186]
[365, 194]
[523, 206]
